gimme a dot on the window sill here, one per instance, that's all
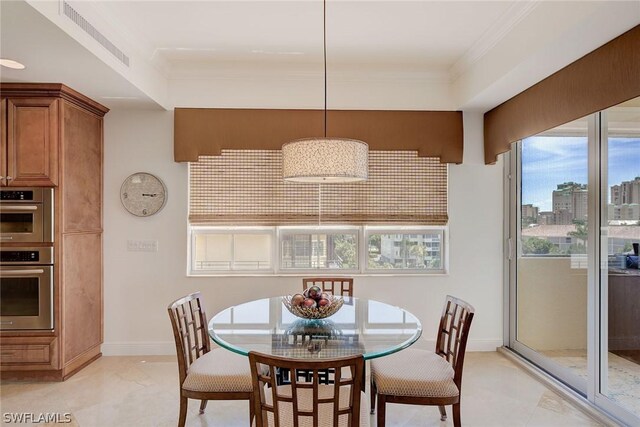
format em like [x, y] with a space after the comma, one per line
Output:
[318, 274]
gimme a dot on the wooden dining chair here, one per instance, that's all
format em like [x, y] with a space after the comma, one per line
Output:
[342, 286]
[308, 401]
[205, 374]
[421, 377]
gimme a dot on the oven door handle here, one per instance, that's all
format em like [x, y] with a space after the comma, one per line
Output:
[20, 208]
[30, 271]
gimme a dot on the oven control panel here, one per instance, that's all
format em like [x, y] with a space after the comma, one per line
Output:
[26, 256]
[19, 256]
[16, 195]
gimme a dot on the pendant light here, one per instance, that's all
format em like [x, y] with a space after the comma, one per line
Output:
[325, 159]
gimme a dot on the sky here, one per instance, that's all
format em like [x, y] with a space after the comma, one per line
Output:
[548, 161]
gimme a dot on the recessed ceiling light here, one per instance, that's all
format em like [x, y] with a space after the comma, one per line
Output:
[10, 63]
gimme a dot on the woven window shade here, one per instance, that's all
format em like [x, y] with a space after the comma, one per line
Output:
[245, 187]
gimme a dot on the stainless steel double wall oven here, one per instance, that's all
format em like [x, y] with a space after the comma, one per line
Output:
[26, 258]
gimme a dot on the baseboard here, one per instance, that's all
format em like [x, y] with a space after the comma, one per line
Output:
[168, 348]
[472, 345]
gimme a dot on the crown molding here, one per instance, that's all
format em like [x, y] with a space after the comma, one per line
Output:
[498, 31]
[248, 71]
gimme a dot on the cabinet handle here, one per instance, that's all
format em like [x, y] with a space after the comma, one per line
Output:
[9, 178]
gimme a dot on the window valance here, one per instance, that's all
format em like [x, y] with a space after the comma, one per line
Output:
[208, 131]
[605, 77]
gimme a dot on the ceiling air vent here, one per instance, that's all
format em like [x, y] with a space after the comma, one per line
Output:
[81, 22]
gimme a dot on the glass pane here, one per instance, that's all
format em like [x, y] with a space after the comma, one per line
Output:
[620, 379]
[342, 251]
[252, 251]
[346, 317]
[257, 326]
[224, 316]
[16, 223]
[213, 251]
[19, 296]
[421, 251]
[296, 251]
[383, 313]
[257, 312]
[551, 282]
[319, 251]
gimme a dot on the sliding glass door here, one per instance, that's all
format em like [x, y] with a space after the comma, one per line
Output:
[619, 279]
[574, 282]
[550, 258]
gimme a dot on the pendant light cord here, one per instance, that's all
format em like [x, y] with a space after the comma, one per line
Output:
[324, 52]
[324, 49]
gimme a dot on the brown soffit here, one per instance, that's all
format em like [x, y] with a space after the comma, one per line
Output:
[603, 78]
[206, 131]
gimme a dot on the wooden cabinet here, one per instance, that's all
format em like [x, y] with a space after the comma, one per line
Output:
[52, 136]
[29, 142]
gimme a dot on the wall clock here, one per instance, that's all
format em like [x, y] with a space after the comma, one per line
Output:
[143, 194]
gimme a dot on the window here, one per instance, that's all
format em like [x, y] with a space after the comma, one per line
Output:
[286, 250]
[244, 219]
[215, 249]
[300, 249]
[408, 251]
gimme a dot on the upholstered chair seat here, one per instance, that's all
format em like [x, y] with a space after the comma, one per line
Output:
[219, 371]
[413, 372]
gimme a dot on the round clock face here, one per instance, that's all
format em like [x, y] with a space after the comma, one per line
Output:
[143, 194]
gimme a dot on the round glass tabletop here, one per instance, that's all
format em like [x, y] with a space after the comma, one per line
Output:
[361, 326]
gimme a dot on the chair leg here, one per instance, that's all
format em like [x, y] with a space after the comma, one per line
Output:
[251, 410]
[456, 415]
[443, 413]
[203, 405]
[381, 409]
[374, 393]
[184, 402]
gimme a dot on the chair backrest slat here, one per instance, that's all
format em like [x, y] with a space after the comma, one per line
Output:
[189, 324]
[339, 286]
[285, 400]
[453, 333]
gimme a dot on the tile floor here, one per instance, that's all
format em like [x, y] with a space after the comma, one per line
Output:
[623, 375]
[143, 391]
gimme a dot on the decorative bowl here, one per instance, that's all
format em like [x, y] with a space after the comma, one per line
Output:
[314, 312]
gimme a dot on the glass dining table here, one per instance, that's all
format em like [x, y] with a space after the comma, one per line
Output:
[361, 326]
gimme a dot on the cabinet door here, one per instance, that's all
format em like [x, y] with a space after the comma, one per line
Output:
[32, 142]
[3, 141]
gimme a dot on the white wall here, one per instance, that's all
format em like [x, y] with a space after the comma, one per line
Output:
[139, 285]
